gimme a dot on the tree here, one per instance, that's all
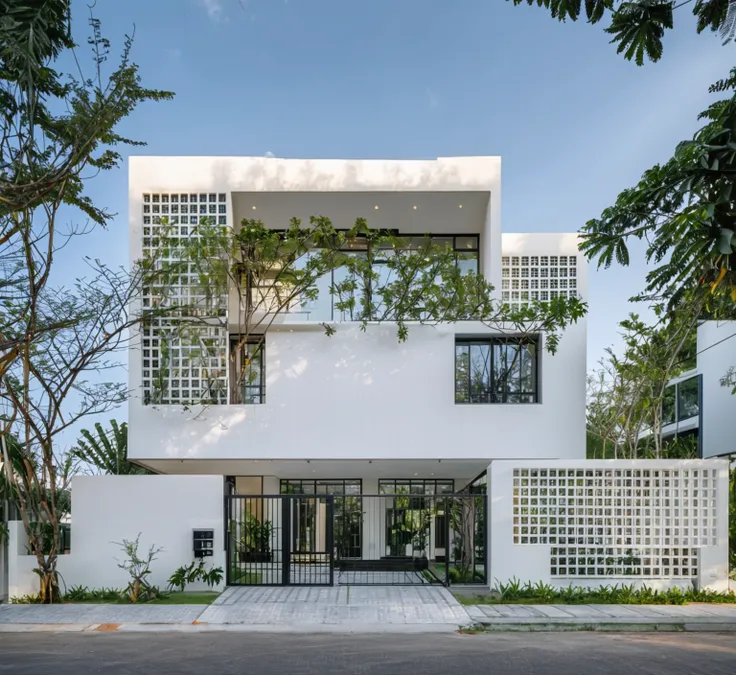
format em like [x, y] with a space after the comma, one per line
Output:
[54, 126]
[366, 276]
[107, 451]
[638, 28]
[627, 394]
[685, 211]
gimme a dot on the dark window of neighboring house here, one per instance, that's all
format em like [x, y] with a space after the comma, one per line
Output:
[496, 370]
[248, 371]
[687, 398]
[668, 406]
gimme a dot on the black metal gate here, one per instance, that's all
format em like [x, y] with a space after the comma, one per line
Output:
[283, 540]
[397, 539]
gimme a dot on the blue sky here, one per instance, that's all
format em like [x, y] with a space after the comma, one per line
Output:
[574, 122]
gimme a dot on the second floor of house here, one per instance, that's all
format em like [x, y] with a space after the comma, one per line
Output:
[276, 365]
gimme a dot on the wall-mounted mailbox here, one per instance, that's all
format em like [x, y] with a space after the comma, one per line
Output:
[204, 543]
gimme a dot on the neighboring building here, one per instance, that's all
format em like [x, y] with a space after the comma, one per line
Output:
[358, 413]
[698, 402]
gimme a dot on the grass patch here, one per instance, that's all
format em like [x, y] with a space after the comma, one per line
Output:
[112, 596]
[241, 576]
[187, 598]
[516, 593]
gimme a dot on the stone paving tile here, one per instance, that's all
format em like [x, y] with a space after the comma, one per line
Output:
[88, 614]
[519, 612]
[621, 611]
[728, 611]
[585, 612]
[554, 611]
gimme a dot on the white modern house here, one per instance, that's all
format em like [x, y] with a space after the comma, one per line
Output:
[360, 459]
[358, 413]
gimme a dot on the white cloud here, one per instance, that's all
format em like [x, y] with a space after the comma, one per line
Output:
[214, 9]
[269, 154]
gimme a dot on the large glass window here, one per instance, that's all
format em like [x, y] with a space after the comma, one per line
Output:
[680, 401]
[336, 486]
[465, 249]
[348, 516]
[414, 486]
[496, 370]
[687, 399]
[247, 370]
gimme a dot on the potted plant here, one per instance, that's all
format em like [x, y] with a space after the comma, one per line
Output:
[254, 544]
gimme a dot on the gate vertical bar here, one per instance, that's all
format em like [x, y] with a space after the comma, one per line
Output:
[287, 504]
[486, 539]
[330, 537]
[227, 508]
[448, 543]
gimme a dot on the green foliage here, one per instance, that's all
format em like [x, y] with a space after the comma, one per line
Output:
[368, 276]
[685, 210]
[138, 566]
[118, 596]
[56, 130]
[188, 574]
[627, 394]
[540, 593]
[107, 450]
[77, 593]
[638, 28]
[253, 536]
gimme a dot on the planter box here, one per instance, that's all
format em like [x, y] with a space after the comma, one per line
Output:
[254, 556]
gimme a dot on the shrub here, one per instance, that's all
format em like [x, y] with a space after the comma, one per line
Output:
[188, 574]
[540, 593]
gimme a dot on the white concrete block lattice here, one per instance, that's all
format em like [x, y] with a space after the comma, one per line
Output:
[602, 522]
[180, 366]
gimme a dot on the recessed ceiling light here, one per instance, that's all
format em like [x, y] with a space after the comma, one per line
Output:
[254, 208]
[460, 206]
[414, 207]
[376, 207]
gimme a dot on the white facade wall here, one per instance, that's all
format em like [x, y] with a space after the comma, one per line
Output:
[716, 354]
[654, 508]
[365, 396]
[108, 509]
[356, 395]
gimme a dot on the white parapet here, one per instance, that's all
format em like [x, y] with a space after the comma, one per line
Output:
[659, 523]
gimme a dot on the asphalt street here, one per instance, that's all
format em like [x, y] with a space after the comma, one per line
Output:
[165, 653]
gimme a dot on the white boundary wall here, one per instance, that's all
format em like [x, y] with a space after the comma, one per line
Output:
[107, 509]
[659, 523]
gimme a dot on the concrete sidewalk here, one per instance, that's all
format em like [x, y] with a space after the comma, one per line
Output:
[694, 617]
[341, 609]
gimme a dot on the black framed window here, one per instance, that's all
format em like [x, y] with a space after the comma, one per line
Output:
[669, 412]
[334, 486]
[465, 249]
[687, 399]
[416, 486]
[248, 370]
[496, 370]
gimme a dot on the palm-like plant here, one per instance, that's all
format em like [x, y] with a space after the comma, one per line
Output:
[107, 450]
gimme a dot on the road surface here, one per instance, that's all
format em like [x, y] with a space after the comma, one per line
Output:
[166, 653]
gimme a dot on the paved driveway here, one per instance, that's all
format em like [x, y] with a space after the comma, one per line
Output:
[358, 607]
